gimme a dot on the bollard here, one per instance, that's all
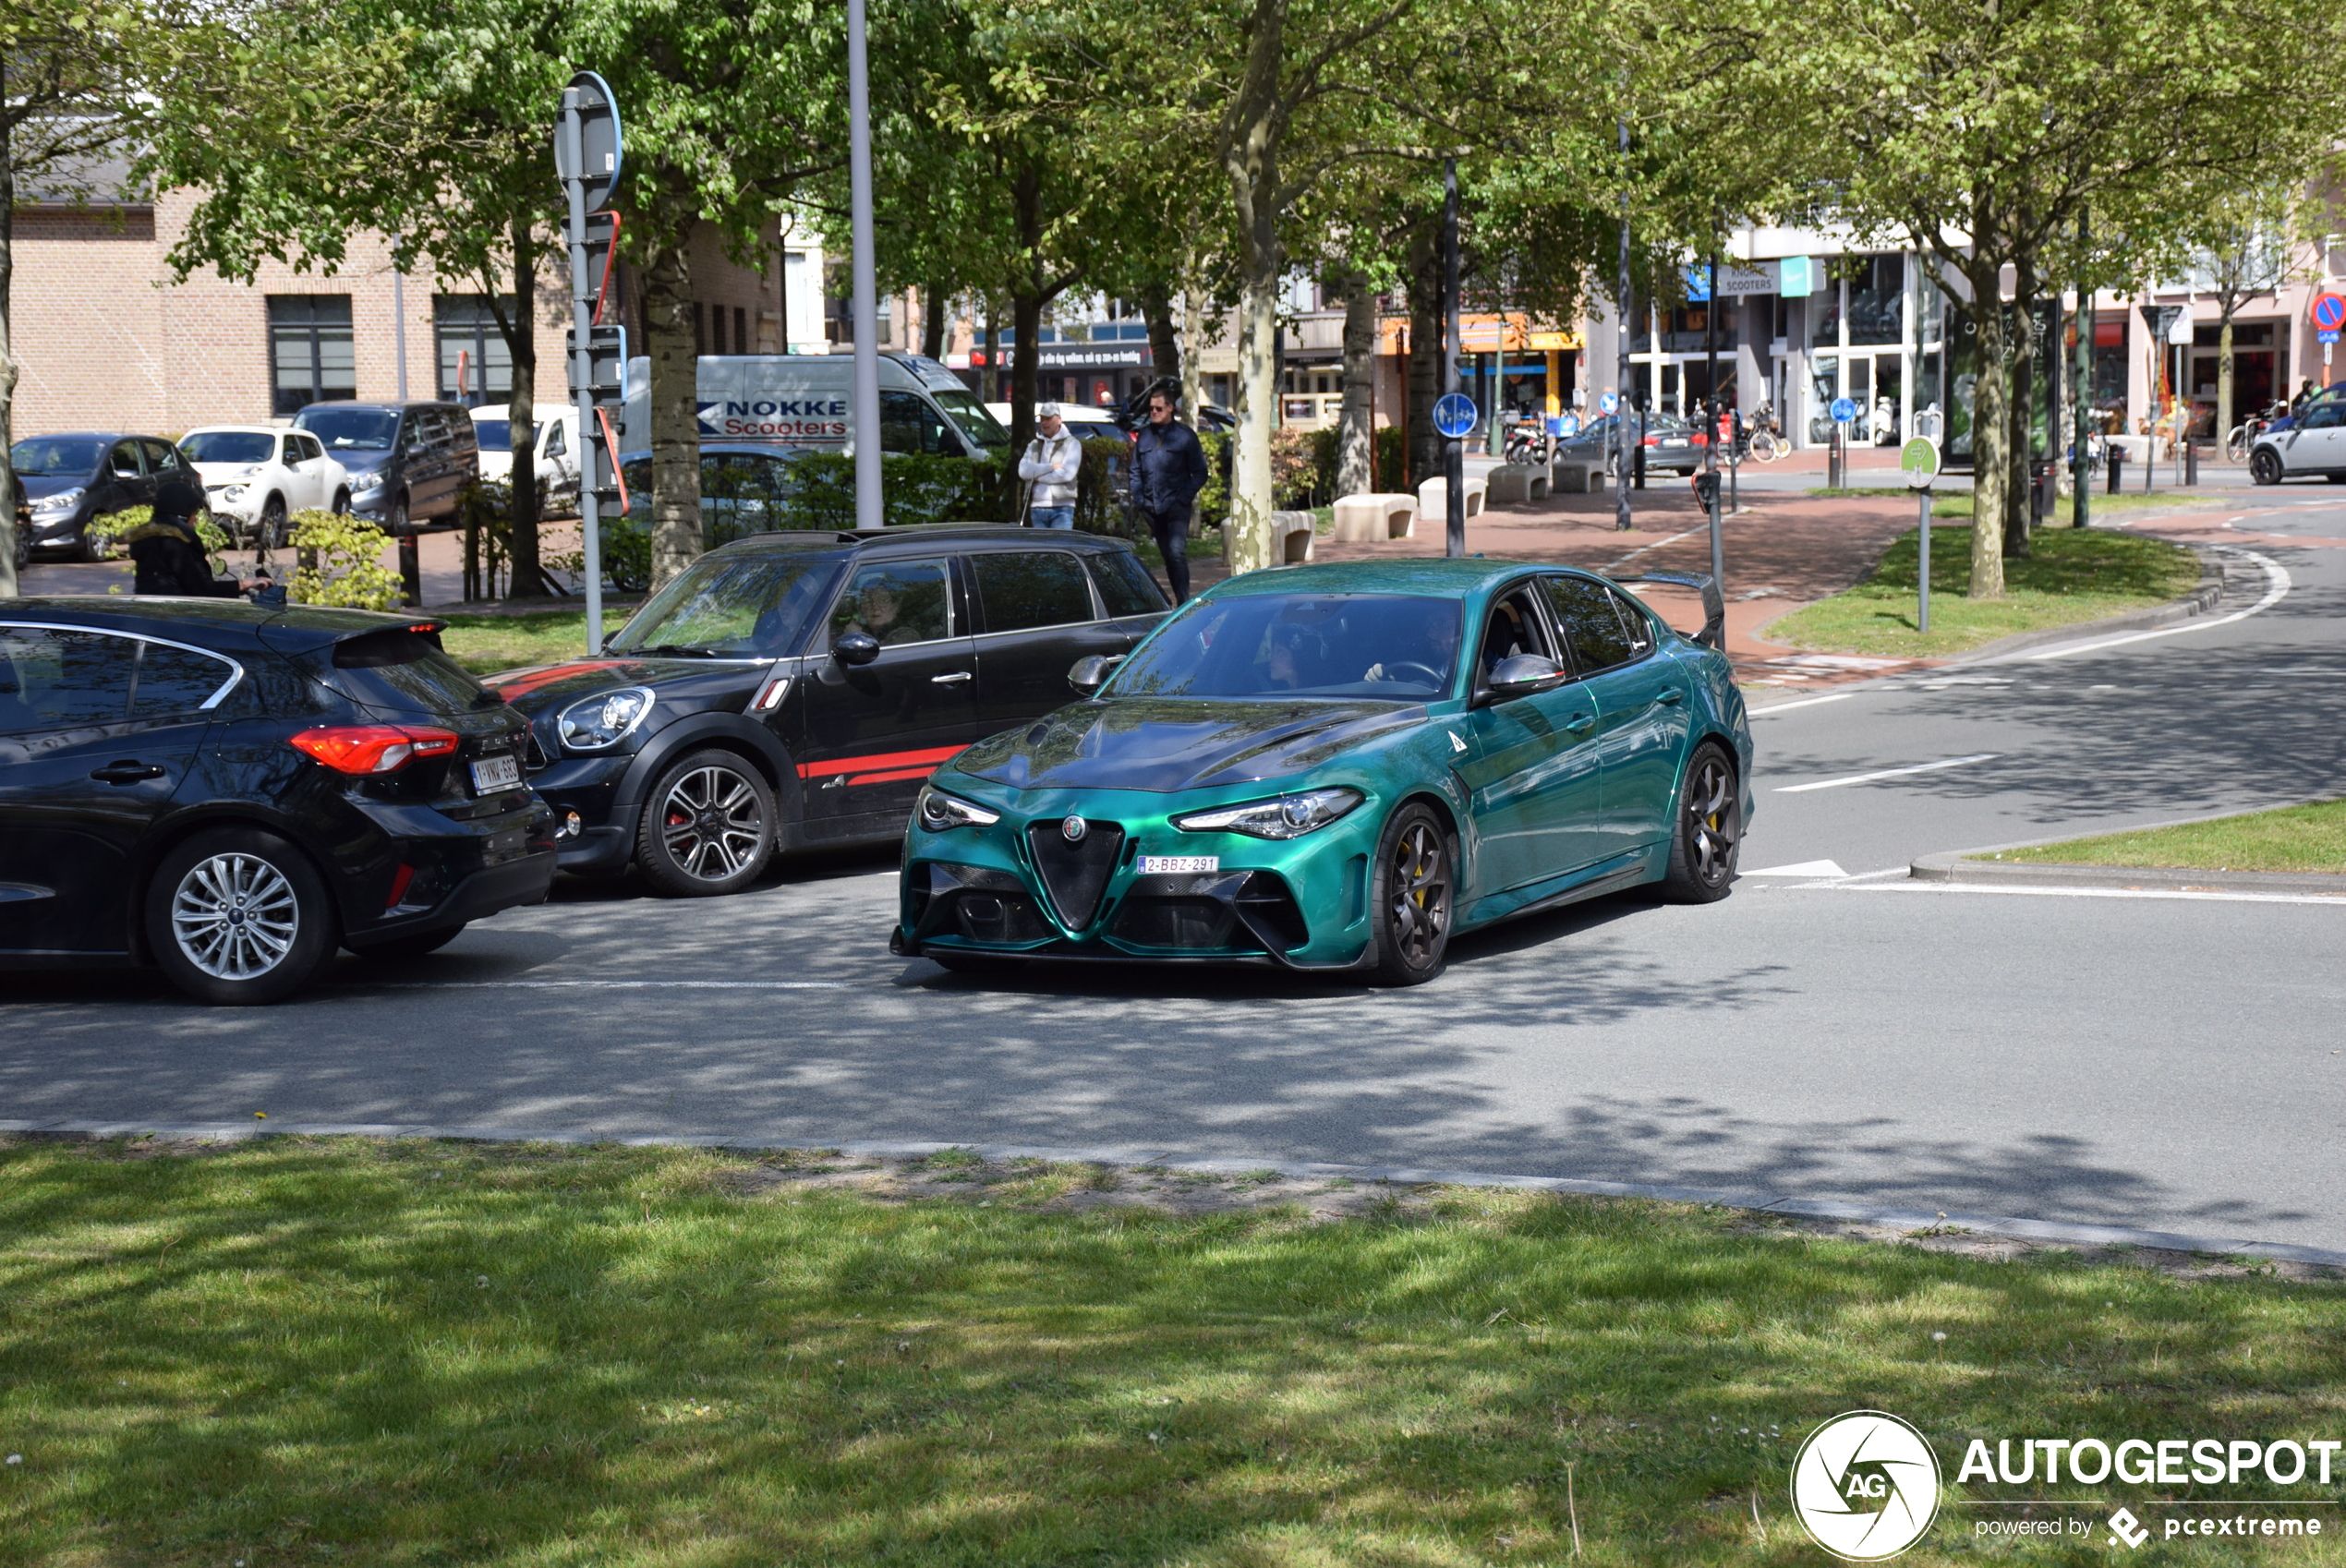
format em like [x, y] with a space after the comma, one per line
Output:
[1638, 466]
[411, 572]
[2191, 462]
[2117, 466]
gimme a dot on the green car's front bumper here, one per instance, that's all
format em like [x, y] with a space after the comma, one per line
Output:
[1018, 887]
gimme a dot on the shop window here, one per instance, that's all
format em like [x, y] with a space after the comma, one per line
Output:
[310, 357]
[1876, 307]
[466, 329]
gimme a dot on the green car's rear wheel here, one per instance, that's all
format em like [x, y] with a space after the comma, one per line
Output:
[1416, 877]
[1708, 832]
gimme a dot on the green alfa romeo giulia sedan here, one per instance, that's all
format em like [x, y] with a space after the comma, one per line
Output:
[1339, 768]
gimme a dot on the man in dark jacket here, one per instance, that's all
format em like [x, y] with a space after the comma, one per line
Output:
[1168, 469]
[170, 555]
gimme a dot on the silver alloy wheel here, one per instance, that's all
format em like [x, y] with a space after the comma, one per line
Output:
[235, 916]
[711, 823]
[1712, 826]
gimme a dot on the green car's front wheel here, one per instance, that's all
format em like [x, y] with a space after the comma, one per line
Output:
[1710, 829]
[1416, 878]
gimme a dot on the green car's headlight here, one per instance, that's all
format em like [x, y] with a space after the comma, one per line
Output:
[940, 813]
[1290, 817]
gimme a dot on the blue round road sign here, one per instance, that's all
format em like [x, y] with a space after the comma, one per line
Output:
[1608, 402]
[1844, 410]
[2330, 312]
[1454, 415]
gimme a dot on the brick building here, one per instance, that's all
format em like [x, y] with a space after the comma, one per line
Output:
[106, 339]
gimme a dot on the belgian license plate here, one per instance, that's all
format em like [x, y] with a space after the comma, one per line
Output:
[1175, 865]
[493, 774]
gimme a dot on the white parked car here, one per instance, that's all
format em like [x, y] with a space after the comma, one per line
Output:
[557, 447]
[256, 476]
[1084, 423]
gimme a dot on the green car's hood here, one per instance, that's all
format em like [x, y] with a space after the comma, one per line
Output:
[1167, 744]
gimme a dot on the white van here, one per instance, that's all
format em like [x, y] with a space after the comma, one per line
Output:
[803, 400]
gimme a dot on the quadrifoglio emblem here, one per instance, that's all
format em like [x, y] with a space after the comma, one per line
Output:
[1866, 1486]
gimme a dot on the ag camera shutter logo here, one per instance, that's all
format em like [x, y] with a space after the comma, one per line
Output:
[1866, 1486]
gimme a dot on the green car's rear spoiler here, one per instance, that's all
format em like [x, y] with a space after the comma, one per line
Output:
[1714, 604]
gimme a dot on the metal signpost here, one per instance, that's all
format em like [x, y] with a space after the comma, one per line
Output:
[1843, 410]
[862, 274]
[1454, 416]
[1918, 461]
[2330, 315]
[587, 161]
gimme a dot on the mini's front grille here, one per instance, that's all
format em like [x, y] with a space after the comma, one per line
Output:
[1075, 874]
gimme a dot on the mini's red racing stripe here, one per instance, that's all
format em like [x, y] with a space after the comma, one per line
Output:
[881, 762]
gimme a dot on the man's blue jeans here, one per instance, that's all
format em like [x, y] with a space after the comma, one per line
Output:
[1052, 517]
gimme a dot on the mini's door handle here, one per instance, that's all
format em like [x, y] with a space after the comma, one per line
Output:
[127, 772]
[1578, 722]
[1670, 698]
[948, 680]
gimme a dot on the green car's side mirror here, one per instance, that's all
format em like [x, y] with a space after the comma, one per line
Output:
[1521, 675]
[1091, 672]
[856, 648]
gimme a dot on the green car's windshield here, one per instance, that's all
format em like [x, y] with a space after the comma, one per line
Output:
[1401, 646]
[736, 607]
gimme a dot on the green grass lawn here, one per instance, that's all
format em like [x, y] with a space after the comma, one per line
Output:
[418, 1353]
[485, 644]
[2310, 838]
[2072, 574]
[1958, 503]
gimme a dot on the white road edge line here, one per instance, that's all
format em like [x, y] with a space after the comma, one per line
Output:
[596, 985]
[1804, 702]
[2277, 586]
[1609, 566]
[1884, 773]
[2334, 899]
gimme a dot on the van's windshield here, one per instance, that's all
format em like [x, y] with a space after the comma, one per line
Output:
[963, 408]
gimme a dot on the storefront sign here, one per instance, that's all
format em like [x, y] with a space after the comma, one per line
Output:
[1737, 281]
[1092, 357]
[1796, 277]
[1553, 343]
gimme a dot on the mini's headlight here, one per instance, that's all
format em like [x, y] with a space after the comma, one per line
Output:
[1290, 817]
[601, 722]
[64, 500]
[940, 812]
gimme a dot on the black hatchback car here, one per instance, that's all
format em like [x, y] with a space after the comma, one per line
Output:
[795, 688]
[230, 791]
[72, 478]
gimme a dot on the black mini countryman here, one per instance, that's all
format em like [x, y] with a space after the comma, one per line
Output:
[794, 689]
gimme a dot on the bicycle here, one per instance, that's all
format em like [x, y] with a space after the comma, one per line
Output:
[2243, 435]
[1766, 444]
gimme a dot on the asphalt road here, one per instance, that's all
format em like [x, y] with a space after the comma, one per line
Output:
[2170, 1063]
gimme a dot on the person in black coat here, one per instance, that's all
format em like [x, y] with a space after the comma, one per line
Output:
[168, 553]
[1168, 469]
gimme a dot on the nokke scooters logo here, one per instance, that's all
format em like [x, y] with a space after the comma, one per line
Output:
[1866, 1486]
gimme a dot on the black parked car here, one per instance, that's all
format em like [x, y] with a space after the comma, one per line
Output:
[229, 790]
[408, 462]
[74, 477]
[795, 688]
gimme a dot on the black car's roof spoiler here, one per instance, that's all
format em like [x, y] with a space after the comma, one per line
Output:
[1714, 604]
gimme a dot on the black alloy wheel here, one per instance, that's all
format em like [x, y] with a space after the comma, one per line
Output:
[2264, 466]
[1709, 830]
[1416, 879]
[238, 916]
[271, 531]
[708, 827]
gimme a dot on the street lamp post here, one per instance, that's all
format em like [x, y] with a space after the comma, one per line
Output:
[1452, 447]
[869, 512]
[1621, 519]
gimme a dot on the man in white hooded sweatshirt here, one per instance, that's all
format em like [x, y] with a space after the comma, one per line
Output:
[1052, 460]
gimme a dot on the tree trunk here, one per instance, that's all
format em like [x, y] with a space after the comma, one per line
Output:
[7, 348]
[2224, 381]
[1425, 355]
[1356, 440]
[1249, 529]
[1165, 348]
[520, 346]
[677, 539]
[1026, 325]
[2019, 494]
[933, 322]
[1193, 340]
[1990, 435]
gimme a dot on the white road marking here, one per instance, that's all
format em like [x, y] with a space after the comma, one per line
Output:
[1806, 868]
[600, 986]
[1804, 702]
[2277, 586]
[1886, 773]
[2337, 900]
[1609, 567]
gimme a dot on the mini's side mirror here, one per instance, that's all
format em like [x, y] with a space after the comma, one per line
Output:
[1523, 674]
[1091, 672]
[856, 648]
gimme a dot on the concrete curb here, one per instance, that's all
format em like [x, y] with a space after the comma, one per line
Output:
[2013, 1226]
[2199, 601]
[1963, 866]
